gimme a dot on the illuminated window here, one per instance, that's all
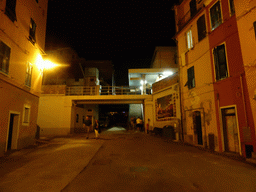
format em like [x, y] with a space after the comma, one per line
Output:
[28, 75]
[221, 71]
[10, 10]
[4, 57]
[201, 28]
[191, 78]
[189, 39]
[232, 7]
[32, 31]
[215, 14]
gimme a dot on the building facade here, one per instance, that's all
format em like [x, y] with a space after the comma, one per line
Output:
[22, 41]
[246, 23]
[214, 92]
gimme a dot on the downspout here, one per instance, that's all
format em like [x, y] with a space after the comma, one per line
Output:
[244, 102]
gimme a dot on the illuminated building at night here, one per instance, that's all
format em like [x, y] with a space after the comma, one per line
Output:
[216, 106]
[22, 41]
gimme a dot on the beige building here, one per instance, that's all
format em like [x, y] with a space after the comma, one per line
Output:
[196, 84]
[165, 57]
[22, 41]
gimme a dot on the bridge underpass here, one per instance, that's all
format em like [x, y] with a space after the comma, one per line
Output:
[62, 114]
[110, 113]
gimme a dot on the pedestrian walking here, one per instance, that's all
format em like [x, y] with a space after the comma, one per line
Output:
[96, 128]
[139, 124]
[87, 124]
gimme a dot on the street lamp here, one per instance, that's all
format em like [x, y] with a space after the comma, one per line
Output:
[44, 64]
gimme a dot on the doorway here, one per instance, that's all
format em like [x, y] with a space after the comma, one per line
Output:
[230, 131]
[198, 127]
[12, 137]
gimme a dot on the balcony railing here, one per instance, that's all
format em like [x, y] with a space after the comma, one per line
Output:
[102, 90]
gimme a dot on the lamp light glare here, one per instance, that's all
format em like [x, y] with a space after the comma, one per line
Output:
[167, 73]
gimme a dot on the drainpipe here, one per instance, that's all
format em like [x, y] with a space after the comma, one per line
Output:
[244, 102]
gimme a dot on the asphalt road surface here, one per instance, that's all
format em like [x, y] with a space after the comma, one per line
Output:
[133, 161]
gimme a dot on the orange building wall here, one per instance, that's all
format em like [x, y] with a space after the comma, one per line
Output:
[14, 94]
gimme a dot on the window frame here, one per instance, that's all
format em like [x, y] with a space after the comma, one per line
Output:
[254, 26]
[232, 10]
[193, 8]
[26, 115]
[201, 33]
[5, 56]
[189, 39]
[217, 70]
[32, 31]
[191, 77]
[10, 9]
[221, 19]
[28, 77]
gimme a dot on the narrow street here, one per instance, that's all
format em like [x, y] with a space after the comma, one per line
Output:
[133, 161]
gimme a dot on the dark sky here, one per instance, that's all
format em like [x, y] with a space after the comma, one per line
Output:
[125, 32]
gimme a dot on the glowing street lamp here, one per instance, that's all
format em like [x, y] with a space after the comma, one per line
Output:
[44, 64]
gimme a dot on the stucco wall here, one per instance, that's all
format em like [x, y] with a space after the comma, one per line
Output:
[54, 116]
[248, 47]
[13, 101]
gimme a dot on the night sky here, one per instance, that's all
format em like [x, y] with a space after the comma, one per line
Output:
[125, 32]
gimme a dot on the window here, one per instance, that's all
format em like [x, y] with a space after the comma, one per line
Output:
[189, 39]
[28, 75]
[32, 31]
[26, 114]
[77, 118]
[232, 7]
[254, 25]
[37, 1]
[201, 28]
[4, 57]
[191, 78]
[10, 10]
[193, 9]
[221, 71]
[215, 14]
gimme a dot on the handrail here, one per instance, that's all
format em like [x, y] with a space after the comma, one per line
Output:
[102, 90]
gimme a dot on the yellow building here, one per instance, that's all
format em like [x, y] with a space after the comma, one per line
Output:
[165, 57]
[196, 84]
[246, 23]
[22, 40]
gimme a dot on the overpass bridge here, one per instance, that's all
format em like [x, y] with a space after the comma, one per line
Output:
[63, 108]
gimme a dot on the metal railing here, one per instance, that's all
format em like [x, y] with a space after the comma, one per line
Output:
[102, 90]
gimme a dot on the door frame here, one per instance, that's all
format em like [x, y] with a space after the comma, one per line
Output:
[15, 131]
[237, 125]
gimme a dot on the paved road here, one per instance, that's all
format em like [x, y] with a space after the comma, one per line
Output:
[130, 161]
